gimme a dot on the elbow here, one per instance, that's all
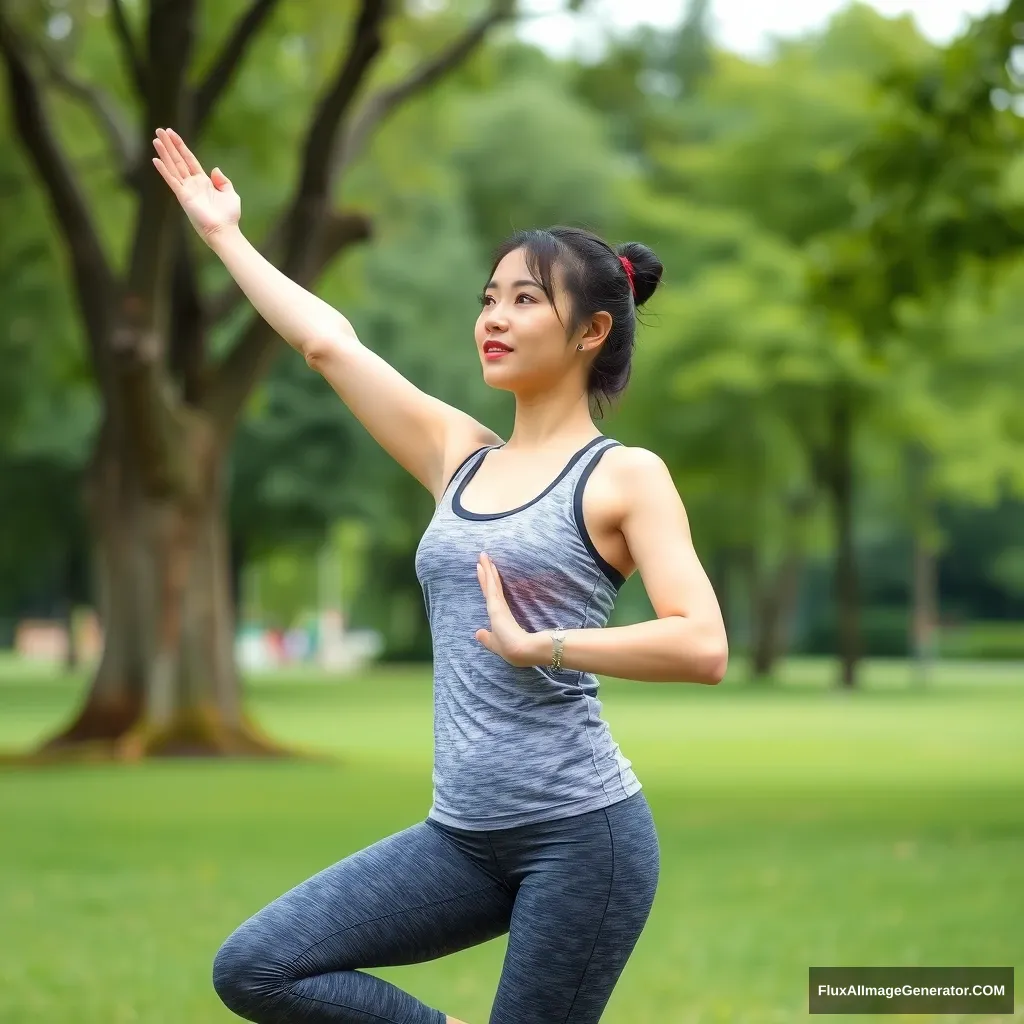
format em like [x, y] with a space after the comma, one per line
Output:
[711, 666]
[719, 665]
[323, 348]
[319, 353]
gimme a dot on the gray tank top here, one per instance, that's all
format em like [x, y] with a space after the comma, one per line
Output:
[515, 746]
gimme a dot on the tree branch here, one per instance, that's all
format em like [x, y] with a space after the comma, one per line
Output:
[129, 49]
[187, 328]
[308, 221]
[121, 139]
[171, 34]
[335, 238]
[379, 106]
[145, 395]
[226, 64]
[315, 179]
[309, 245]
[142, 398]
[94, 280]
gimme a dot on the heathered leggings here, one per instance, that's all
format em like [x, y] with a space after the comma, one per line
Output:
[572, 894]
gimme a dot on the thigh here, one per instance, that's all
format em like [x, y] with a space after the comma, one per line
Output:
[409, 897]
[578, 914]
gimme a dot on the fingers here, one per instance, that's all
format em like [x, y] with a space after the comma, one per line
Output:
[177, 160]
[186, 154]
[491, 571]
[167, 161]
[167, 175]
[490, 581]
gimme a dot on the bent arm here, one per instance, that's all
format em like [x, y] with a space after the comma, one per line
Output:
[686, 643]
[670, 649]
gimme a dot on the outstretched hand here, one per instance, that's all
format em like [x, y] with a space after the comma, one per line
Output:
[210, 202]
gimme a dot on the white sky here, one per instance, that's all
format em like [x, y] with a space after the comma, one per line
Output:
[741, 25]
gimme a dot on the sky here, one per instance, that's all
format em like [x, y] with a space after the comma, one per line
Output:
[744, 26]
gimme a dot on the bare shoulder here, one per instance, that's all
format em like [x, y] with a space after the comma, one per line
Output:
[626, 473]
[632, 463]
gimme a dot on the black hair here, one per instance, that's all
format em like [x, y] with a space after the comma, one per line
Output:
[595, 280]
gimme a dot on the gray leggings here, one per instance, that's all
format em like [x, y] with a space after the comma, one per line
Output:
[572, 894]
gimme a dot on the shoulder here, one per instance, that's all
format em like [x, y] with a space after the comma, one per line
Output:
[631, 462]
[630, 474]
[636, 467]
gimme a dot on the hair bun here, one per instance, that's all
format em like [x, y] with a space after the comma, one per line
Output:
[647, 267]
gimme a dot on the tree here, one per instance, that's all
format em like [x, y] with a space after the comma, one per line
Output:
[883, 161]
[724, 384]
[772, 141]
[931, 182]
[167, 681]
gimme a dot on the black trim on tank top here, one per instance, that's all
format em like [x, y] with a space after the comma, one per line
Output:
[613, 574]
[458, 468]
[464, 513]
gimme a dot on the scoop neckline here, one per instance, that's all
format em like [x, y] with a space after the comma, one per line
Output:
[464, 513]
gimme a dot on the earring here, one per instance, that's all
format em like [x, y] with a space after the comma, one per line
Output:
[579, 348]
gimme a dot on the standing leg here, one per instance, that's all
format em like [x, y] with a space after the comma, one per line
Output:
[410, 897]
[587, 887]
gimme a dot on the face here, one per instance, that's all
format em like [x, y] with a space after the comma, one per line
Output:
[517, 314]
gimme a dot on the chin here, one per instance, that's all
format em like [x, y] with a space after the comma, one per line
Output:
[493, 380]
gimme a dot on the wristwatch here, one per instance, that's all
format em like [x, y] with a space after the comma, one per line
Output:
[557, 640]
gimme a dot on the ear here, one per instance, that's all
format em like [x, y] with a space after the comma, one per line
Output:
[596, 330]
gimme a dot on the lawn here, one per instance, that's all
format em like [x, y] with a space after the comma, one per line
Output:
[798, 826]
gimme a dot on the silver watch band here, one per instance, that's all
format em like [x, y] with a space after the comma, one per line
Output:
[557, 641]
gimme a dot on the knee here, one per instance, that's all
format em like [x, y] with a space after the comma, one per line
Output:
[243, 977]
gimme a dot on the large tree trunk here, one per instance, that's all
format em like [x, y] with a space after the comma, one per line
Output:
[167, 681]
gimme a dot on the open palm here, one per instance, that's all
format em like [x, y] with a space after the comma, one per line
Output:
[211, 203]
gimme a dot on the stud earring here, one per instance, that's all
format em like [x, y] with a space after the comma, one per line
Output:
[579, 348]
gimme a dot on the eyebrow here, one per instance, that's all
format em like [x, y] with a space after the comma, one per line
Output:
[516, 284]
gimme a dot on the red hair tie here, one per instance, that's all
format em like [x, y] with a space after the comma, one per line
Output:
[630, 273]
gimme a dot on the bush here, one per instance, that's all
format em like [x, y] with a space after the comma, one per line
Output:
[884, 633]
[983, 640]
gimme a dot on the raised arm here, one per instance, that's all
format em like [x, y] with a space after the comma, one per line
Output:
[423, 434]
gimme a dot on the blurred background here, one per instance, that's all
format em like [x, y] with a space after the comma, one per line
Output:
[202, 552]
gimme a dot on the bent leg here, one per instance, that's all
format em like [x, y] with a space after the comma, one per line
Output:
[582, 904]
[409, 897]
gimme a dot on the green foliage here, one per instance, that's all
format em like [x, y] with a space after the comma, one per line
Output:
[984, 640]
[840, 221]
[507, 186]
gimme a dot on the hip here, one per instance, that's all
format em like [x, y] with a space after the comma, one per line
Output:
[614, 838]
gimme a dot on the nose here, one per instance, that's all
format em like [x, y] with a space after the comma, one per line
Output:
[494, 318]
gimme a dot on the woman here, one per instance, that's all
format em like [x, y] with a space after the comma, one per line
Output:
[539, 828]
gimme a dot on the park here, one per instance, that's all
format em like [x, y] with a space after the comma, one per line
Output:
[218, 671]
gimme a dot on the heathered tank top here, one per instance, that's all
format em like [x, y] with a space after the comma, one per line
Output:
[514, 746]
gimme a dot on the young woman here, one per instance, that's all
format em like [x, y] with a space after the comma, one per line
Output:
[538, 828]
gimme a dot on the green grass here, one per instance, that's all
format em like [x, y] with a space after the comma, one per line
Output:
[798, 826]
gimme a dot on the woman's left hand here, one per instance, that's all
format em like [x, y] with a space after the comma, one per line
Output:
[506, 637]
